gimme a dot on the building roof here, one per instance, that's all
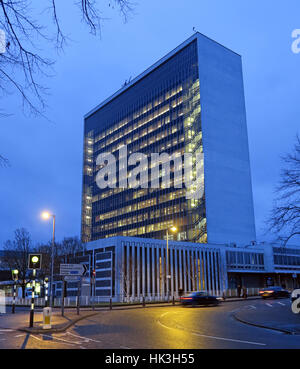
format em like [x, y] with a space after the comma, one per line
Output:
[195, 36]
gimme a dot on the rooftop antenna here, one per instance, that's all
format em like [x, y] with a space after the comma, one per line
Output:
[194, 29]
[127, 82]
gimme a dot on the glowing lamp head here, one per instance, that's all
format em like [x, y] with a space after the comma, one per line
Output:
[34, 259]
[45, 215]
[15, 271]
[173, 229]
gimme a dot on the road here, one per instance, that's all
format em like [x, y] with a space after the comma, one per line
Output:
[171, 327]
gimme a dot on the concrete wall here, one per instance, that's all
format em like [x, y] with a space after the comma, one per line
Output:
[227, 177]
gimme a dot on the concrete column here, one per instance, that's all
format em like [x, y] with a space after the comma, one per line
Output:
[180, 269]
[138, 273]
[184, 271]
[189, 274]
[176, 271]
[204, 270]
[148, 271]
[143, 271]
[213, 280]
[128, 280]
[163, 274]
[171, 271]
[153, 270]
[198, 288]
[133, 272]
[193, 271]
[217, 274]
[208, 271]
[158, 273]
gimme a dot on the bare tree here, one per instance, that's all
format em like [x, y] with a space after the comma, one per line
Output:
[23, 63]
[285, 214]
[69, 246]
[16, 255]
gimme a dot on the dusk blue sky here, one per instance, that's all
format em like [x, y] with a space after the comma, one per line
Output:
[46, 157]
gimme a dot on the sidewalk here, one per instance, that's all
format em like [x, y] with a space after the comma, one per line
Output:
[59, 323]
[283, 321]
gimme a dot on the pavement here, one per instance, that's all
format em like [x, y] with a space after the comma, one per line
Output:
[59, 323]
[269, 315]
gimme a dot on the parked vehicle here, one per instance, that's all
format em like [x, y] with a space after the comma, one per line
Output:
[274, 292]
[200, 298]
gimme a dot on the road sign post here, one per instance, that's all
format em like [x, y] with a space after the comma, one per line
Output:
[93, 288]
[78, 296]
[63, 297]
[74, 270]
[15, 274]
[46, 286]
[34, 263]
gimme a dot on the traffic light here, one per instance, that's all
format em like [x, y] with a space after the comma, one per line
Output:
[35, 261]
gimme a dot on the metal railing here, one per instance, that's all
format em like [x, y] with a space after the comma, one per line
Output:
[88, 301]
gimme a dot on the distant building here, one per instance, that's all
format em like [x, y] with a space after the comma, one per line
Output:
[190, 101]
[130, 268]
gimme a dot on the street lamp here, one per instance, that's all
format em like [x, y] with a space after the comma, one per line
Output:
[173, 229]
[46, 215]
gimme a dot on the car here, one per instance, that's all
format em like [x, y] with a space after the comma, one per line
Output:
[200, 298]
[273, 292]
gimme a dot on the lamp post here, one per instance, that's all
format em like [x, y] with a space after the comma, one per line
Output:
[173, 229]
[46, 215]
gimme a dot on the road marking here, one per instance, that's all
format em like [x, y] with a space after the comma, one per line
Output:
[64, 341]
[280, 303]
[230, 339]
[86, 339]
[7, 330]
[125, 347]
[269, 305]
[19, 335]
[252, 306]
[36, 337]
[212, 337]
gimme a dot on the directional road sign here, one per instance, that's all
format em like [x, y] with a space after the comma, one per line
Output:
[72, 269]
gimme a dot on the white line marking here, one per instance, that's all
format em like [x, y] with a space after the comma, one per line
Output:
[35, 337]
[86, 339]
[269, 305]
[280, 303]
[19, 335]
[66, 341]
[253, 307]
[7, 330]
[230, 339]
[213, 337]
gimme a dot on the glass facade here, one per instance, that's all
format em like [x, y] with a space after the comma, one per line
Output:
[160, 113]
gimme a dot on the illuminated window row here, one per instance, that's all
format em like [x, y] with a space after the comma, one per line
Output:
[156, 227]
[140, 112]
[169, 210]
[138, 135]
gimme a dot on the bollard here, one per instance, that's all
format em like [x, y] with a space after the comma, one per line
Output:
[47, 312]
[110, 304]
[173, 300]
[144, 303]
